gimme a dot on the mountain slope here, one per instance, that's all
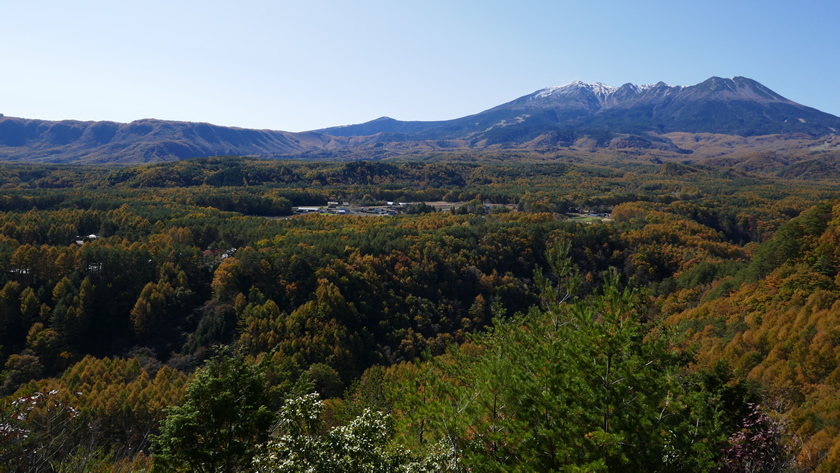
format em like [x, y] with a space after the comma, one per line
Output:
[381, 125]
[737, 106]
[141, 141]
[585, 116]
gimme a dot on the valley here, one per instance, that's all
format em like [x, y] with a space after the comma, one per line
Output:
[555, 283]
[351, 307]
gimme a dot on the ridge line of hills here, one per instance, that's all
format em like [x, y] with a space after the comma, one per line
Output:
[651, 119]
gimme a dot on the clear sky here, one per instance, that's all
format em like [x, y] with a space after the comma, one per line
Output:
[302, 65]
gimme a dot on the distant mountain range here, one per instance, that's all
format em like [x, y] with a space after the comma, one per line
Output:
[142, 141]
[737, 106]
[576, 115]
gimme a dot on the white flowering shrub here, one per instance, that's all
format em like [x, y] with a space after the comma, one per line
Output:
[362, 446]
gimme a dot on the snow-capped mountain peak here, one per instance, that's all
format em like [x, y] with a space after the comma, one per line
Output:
[717, 105]
[600, 90]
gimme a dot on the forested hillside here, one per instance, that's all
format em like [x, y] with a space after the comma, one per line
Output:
[624, 317]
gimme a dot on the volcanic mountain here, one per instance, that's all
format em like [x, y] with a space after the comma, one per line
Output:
[626, 117]
[737, 106]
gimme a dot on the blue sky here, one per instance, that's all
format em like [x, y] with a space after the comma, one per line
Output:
[301, 65]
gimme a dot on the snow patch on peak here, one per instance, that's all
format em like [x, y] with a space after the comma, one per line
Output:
[600, 90]
[547, 92]
[646, 87]
[601, 94]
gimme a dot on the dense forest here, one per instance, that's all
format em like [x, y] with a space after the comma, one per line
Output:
[181, 317]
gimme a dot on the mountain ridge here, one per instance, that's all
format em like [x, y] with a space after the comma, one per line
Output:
[145, 140]
[739, 106]
[575, 114]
